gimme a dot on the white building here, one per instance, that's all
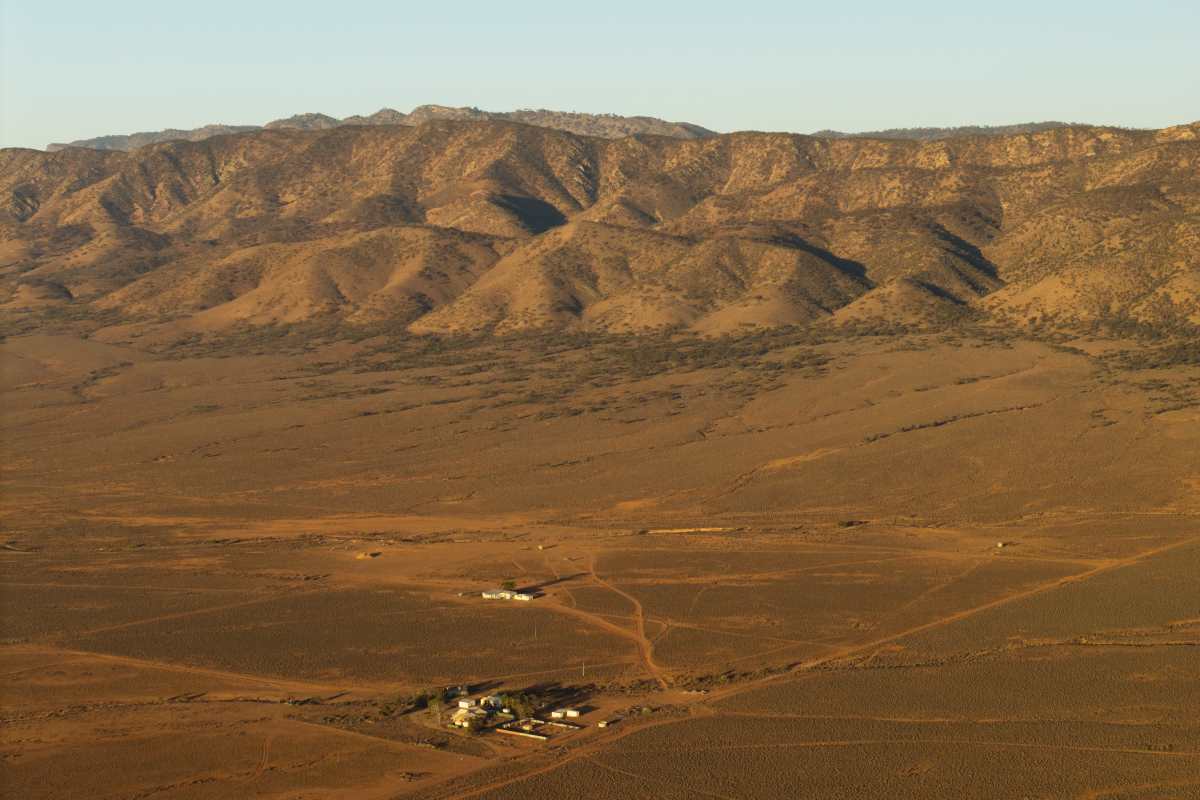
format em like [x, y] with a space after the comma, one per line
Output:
[505, 594]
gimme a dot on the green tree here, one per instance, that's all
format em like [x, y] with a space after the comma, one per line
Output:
[520, 704]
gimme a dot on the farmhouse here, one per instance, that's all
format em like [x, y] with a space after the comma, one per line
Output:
[468, 718]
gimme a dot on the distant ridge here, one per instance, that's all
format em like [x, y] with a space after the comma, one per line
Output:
[132, 141]
[608, 126]
[932, 134]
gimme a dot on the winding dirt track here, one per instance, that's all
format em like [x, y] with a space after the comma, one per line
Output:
[597, 742]
[605, 740]
[645, 646]
[1002, 601]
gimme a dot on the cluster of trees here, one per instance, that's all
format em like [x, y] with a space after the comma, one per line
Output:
[522, 705]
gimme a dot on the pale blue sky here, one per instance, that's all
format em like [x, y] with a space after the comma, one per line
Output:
[73, 69]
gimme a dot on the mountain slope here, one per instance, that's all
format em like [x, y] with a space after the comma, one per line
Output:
[466, 226]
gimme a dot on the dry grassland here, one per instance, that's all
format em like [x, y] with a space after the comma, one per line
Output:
[230, 574]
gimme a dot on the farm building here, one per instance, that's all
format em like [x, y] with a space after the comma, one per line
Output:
[468, 718]
[506, 594]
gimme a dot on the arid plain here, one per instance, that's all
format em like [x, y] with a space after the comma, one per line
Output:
[186, 541]
[912, 546]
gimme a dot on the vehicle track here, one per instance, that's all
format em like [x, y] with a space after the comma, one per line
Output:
[282, 684]
[818, 743]
[604, 741]
[1121, 791]
[266, 598]
[645, 646]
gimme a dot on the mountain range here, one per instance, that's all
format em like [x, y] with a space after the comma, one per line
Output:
[609, 126]
[472, 225]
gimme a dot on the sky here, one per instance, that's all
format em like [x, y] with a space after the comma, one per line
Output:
[72, 69]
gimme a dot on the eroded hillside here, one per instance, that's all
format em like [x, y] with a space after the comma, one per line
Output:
[454, 227]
